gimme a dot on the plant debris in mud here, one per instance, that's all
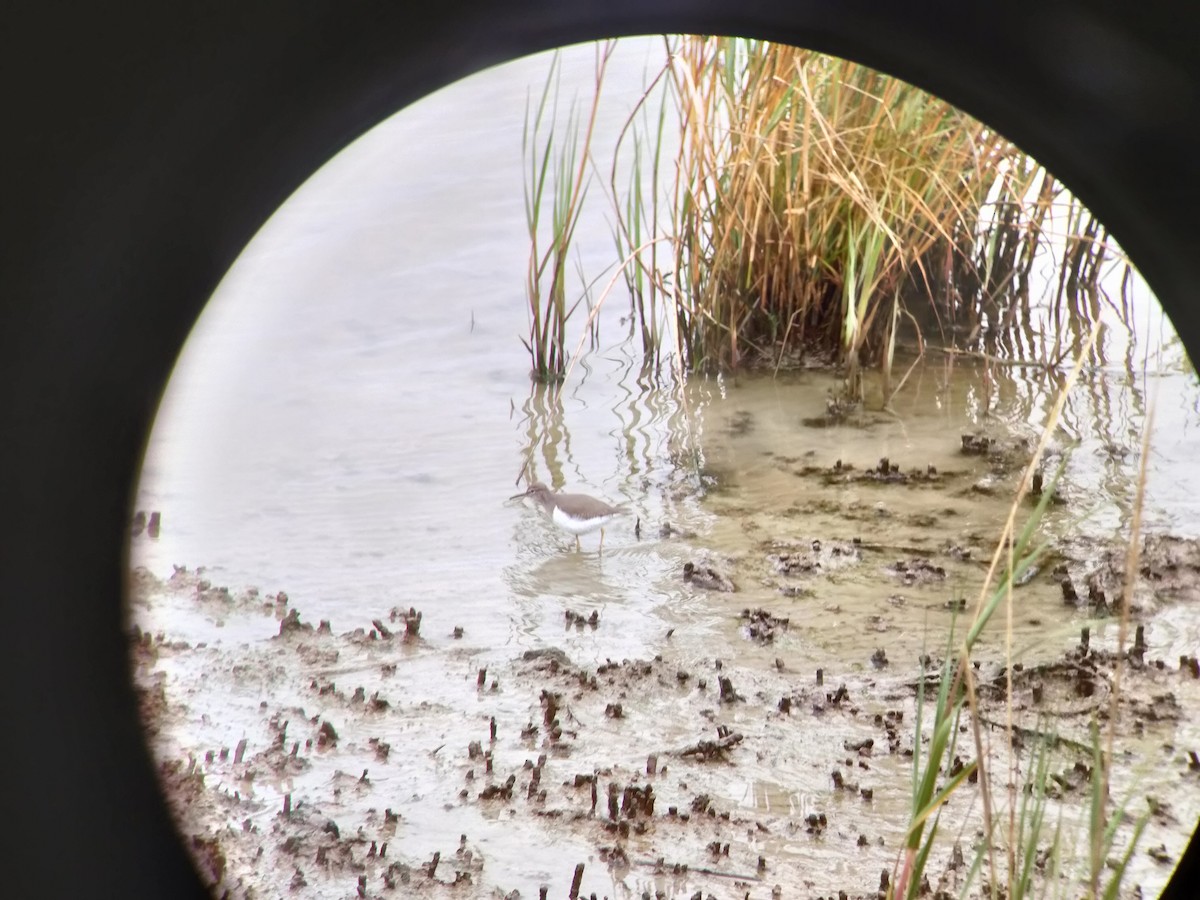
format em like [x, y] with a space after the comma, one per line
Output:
[569, 754]
[761, 625]
[917, 570]
[707, 577]
[709, 749]
[667, 530]
[977, 445]
[817, 557]
[884, 472]
[150, 524]
[841, 410]
[1169, 570]
[579, 619]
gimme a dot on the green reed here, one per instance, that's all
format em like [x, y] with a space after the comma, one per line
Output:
[556, 177]
[957, 698]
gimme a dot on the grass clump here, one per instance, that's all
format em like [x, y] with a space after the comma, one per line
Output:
[556, 178]
[819, 201]
[780, 202]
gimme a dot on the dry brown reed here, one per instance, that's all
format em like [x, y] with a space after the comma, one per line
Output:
[819, 205]
[812, 190]
[783, 205]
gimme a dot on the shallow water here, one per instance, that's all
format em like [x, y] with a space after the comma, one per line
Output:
[353, 409]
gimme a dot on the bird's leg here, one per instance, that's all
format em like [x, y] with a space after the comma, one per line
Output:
[601, 550]
[577, 547]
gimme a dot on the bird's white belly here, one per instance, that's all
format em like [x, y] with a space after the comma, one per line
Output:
[578, 526]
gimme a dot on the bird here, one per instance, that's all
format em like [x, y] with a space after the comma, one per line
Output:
[574, 513]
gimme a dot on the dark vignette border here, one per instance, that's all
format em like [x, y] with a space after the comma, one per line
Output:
[145, 142]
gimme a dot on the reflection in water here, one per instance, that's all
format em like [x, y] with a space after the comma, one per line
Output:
[651, 449]
[1134, 362]
[648, 418]
[721, 466]
[545, 435]
[629, 426]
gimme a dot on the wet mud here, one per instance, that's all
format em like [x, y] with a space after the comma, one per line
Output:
[389, 757]
[723, 704]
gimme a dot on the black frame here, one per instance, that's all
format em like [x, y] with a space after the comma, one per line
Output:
[145, 144]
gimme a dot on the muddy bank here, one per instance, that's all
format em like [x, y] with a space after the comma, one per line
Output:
[392, 757]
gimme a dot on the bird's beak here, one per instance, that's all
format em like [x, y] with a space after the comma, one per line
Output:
[519, 496]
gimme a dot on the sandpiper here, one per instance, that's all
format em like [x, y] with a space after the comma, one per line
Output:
[575, 513]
